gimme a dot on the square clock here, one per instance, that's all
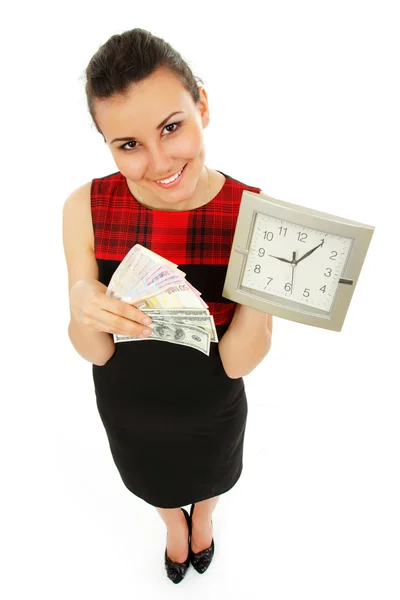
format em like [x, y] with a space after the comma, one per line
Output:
[295, 262]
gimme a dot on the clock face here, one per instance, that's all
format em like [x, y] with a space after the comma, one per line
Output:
[295, 262]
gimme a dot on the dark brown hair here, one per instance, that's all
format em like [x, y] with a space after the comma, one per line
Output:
[131, 57]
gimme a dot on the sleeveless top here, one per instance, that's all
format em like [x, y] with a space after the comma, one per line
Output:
[199, 240]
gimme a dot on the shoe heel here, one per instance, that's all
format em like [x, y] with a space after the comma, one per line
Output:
[202, 560]
[177, 571]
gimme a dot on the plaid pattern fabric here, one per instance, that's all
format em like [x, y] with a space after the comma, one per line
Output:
[199, 241]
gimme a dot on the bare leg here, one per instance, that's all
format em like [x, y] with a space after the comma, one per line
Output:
[177, 533]
[202, 530]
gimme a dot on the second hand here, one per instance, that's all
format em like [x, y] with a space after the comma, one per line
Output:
[293, 267]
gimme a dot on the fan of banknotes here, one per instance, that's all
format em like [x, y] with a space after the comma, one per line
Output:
[158, 288]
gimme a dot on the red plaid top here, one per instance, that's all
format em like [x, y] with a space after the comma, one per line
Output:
[199, 241]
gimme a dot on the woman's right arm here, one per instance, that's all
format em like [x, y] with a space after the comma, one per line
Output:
[95, 346]
[94, 316]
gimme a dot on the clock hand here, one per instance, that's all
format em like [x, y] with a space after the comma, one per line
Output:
[282, 259]
[294, 263]
[308, 253]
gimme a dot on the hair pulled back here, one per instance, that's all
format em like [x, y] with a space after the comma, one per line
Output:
[130, 57]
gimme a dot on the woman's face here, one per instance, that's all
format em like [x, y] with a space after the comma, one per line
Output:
[149, 152]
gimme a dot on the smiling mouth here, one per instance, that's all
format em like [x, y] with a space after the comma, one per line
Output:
[171, 178]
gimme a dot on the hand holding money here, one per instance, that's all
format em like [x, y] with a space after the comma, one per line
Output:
[92, 307]
[158, 288]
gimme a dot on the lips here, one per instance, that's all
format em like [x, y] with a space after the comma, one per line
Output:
[174, 183]
[169, 177]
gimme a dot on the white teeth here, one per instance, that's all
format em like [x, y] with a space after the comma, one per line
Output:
[170, 179]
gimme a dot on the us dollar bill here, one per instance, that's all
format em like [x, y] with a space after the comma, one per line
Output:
[173, 333]
[199, 317]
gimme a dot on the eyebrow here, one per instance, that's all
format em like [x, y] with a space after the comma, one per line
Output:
[126, 139]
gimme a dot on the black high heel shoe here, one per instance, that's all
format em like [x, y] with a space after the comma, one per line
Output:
[177, 571]
[202, 560]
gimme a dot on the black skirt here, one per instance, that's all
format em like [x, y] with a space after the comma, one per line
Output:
[175, 421]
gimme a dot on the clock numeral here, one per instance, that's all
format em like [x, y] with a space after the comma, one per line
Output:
[333, 252]
[306, 294]
[302, 237]
[323, 289]
[282, 229]
[261, 252]
[330, 272]
[270, 279]
[288, 289]
[257, 269]
[268, 235]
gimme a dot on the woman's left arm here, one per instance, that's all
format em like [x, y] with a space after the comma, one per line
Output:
[246, 341]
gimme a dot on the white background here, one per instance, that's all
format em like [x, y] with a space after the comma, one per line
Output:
[304, 103]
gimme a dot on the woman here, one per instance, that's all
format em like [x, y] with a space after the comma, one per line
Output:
[175, 418]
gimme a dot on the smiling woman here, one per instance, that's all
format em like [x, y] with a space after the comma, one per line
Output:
[157, 147]
[175, 418]
[162, 138]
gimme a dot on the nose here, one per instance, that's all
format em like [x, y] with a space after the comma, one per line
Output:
[159, 162]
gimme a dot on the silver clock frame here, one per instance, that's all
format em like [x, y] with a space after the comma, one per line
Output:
[253, 203]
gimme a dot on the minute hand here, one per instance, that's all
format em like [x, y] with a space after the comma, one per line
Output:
[308, 253]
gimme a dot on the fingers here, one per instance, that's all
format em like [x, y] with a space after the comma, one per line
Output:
[122, 318]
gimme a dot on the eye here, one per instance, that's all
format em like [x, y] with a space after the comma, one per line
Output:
[123, 147]
[172, 124]
[178, 124]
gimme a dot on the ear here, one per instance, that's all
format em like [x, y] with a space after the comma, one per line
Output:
[203, 107]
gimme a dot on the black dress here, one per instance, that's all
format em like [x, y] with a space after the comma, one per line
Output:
[175, 421]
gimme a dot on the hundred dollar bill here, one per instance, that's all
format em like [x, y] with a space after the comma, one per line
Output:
[198, 317]
[173, 333]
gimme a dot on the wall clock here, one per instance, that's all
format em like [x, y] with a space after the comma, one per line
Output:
[295, 262]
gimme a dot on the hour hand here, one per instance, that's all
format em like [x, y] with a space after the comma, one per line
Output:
[282, 259]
